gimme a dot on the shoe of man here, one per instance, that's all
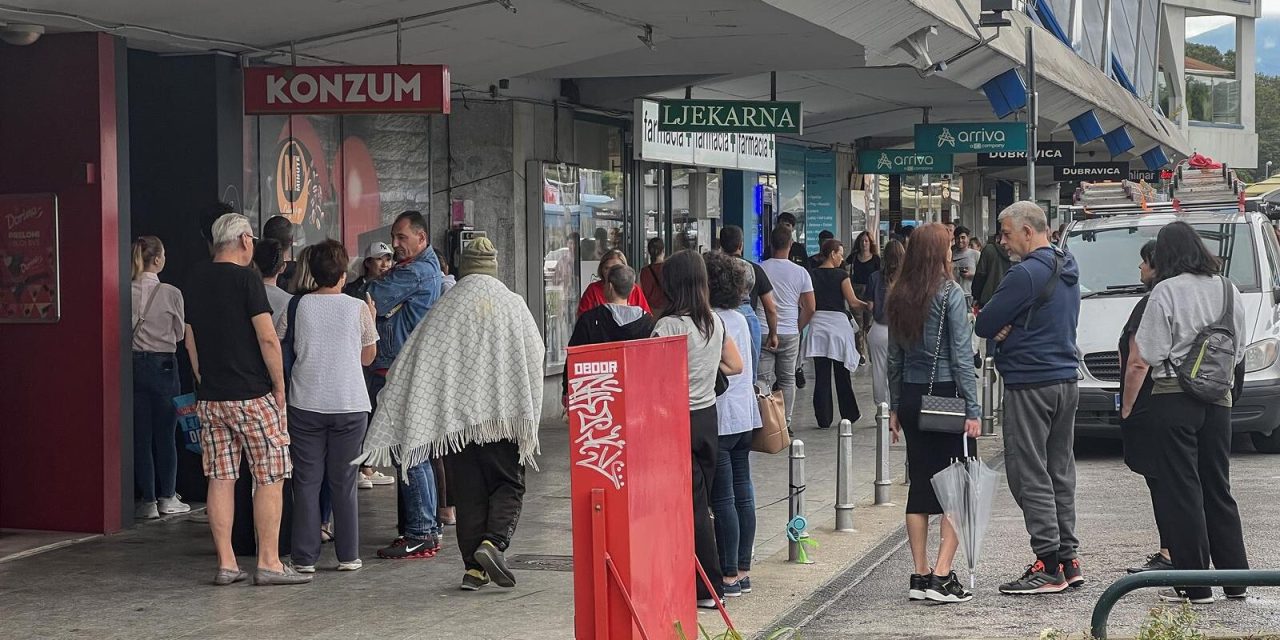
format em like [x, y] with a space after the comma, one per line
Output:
[1072, 572]
[146, 511]
[472, 580]
[354, 565]
[379, 478]
[172, 505]
[404, 548]
[363, 482]
[946, 589]
[919, 583]
[800, 378]
[1180, 596]
[1155, 562]
[495, 564]
[289, 576]
[1036, 580]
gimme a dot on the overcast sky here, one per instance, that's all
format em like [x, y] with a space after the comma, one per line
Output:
[1197, 26]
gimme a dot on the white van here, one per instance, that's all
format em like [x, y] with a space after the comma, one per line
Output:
[1107, 248]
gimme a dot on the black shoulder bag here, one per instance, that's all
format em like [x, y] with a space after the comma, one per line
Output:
[941, 414]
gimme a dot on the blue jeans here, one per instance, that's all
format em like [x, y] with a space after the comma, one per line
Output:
[155, 424]
[733, 500]
[418, 498]
[753, 324]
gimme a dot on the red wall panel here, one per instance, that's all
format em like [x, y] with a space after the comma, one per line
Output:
[60, 388]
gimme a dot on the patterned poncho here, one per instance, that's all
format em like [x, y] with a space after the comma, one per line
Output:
[471, 373]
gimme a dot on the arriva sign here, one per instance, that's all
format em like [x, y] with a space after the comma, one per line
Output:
[730, 116]
[889, 161]
[971, 137]
[383, 89]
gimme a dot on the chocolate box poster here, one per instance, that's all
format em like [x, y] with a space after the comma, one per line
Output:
[29, 258]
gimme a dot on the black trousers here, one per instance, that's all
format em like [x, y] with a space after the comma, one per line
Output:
[704, 437]
[1162, 526]
[488, 492]
[822, 372]
[1194, 493]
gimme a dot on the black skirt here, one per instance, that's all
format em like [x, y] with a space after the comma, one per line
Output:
[928, 452]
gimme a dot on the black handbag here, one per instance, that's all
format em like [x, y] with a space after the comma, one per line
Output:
[941, 414]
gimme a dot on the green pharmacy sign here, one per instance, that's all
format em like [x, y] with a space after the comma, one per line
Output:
[887, 161]
[730, 116]
[977, 137]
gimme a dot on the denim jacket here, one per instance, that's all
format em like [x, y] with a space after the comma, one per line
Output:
[911, 364]
[403, 297]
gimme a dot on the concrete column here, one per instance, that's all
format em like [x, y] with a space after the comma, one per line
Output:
[1245, 70]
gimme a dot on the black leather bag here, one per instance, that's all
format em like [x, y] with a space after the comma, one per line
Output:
[941, 414]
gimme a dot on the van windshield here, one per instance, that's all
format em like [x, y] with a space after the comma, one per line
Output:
[1109, 258]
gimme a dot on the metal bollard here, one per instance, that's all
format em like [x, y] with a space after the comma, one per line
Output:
[844, 477]
[989, 396]
[796, 494]
[882, 455]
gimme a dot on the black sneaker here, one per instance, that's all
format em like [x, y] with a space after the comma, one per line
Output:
[800, 378]
[1035, 580]
[495, 564]
[1236, 593]
[472, 580]
[946, 589]
[1155, 562]
[1072, 572]
[919, 583]
[406, 548]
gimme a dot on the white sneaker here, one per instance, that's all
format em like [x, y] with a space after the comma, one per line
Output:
[350, 566]
[304, 568]
[172, 505]
[380, 478]
[363, 482]
[146, 511]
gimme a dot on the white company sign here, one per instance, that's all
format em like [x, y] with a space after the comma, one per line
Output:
[747, 151]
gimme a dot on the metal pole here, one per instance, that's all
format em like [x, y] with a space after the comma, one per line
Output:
[1032, 114]
[844, 477]
[882, 455]
[796, 494]
[989, 396]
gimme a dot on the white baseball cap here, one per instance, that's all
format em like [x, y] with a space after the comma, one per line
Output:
[377, 250]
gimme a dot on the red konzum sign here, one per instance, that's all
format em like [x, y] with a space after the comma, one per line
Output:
[384, 89]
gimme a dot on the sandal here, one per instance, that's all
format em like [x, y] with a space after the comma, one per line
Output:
[326, 534]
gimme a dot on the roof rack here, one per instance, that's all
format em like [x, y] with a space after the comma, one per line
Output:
[1237, 205]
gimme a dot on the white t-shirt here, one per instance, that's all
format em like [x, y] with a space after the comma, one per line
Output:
[327, 376]
[789, 280]
[704, 355]
[964, 259]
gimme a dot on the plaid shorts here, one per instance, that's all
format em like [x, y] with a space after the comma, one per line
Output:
[251, 426]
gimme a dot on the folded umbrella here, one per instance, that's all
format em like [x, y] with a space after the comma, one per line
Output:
[966, 490]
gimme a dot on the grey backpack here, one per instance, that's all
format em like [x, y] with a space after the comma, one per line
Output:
[1207, 372]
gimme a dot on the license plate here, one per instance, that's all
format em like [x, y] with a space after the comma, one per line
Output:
[1117, 402]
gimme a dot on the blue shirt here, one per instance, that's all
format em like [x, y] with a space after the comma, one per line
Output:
[913, 363]
[403, 297]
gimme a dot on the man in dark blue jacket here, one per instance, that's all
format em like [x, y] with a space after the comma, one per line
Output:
[1032, 316]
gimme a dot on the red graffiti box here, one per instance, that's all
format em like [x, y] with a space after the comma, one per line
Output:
[632, 492]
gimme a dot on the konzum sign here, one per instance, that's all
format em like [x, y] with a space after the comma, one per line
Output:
[380, 89]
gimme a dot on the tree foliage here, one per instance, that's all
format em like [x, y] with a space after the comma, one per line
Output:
[1266, 103]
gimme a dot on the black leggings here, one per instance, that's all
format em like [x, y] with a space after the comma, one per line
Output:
[704, 432]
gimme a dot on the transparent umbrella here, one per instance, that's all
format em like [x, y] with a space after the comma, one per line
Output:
[966, 489]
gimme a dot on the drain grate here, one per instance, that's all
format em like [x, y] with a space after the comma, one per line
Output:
[538, 562]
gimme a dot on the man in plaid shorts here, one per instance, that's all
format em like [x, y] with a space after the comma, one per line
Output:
[239, 370]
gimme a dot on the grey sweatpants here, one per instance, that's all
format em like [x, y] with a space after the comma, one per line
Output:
[778, 369]
[1040, 462]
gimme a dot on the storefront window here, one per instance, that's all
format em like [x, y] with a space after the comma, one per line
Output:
[339, 177]
[695, 209]
[560, 262]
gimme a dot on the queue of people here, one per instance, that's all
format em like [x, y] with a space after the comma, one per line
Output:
[303, 380]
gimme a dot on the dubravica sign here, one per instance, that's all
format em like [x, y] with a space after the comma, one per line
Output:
[1047, 154]
[730, 116]
[381, 89]
[1092, 171]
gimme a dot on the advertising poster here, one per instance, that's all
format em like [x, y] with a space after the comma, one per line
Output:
[791, 185]
[821, 207]
[29, 258]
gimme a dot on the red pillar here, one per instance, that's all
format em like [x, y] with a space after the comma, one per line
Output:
[60, 399]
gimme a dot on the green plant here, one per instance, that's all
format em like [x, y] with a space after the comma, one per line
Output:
[1171, 624]
[731, 634]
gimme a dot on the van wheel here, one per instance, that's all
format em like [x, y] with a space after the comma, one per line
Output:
[1266, 443]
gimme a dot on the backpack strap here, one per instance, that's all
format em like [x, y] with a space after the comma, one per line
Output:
[1228, 317]
[1047, 290]
[146, 309]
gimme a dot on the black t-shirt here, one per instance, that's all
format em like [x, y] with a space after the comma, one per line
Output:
[761, 286]
[862, 270]
[828, 292]
[221, 301]
[1141, 403]
[798, 255]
